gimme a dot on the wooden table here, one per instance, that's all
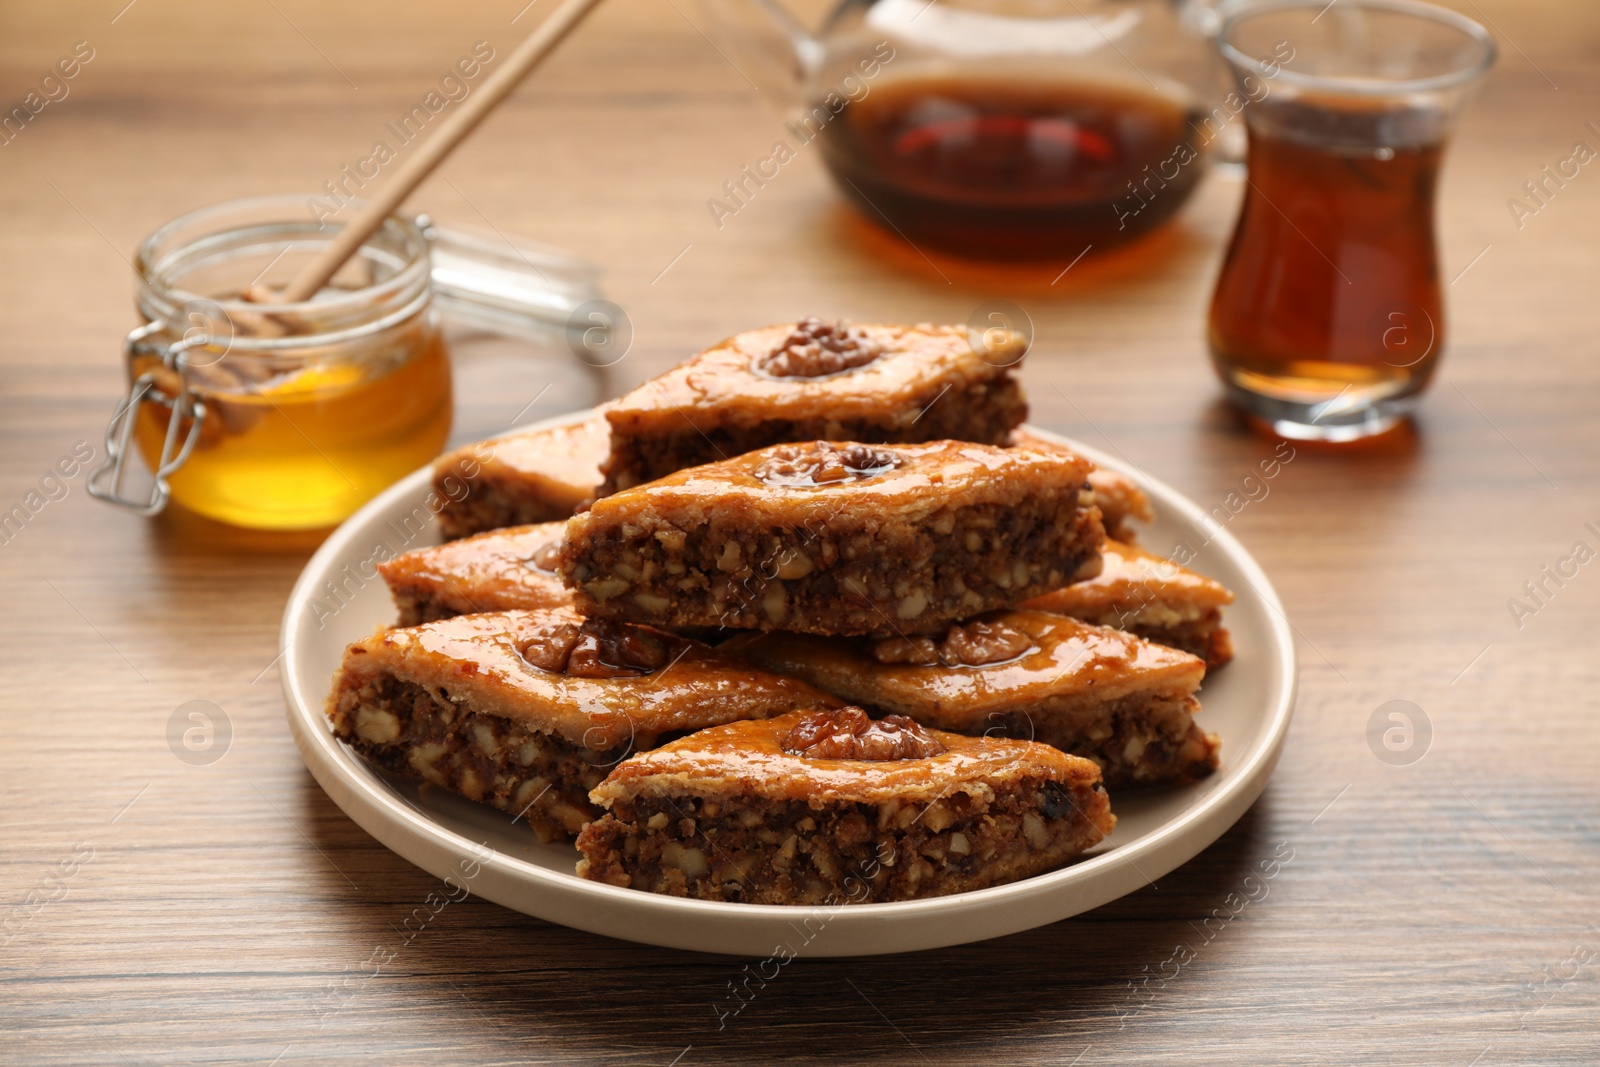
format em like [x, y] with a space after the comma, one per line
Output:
[1442, 912]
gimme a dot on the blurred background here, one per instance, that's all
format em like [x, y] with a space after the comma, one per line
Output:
[1429, 907]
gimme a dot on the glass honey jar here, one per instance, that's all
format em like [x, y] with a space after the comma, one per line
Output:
[278, 416]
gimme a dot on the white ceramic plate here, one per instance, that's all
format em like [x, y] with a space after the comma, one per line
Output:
[480, 849]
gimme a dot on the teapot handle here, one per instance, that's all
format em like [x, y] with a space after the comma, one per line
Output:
[1204, 18]
[766, 44]
[1229, 147]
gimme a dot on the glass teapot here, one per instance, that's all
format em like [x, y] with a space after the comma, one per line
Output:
[997, 129]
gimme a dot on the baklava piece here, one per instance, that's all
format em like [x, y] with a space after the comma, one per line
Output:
[1105, 695]
[500, 570]
[837, 538]
[1153, 597]
[528, 710]
[1120, 500]
[1118, 496]
[538, 476]
[813, 380]
[831, 807]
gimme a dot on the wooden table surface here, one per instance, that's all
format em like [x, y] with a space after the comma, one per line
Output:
[153, 911]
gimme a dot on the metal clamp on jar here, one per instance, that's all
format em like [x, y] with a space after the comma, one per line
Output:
[291, 416]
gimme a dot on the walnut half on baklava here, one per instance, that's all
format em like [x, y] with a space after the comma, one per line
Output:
[837, 538]
[527, 710]
[831, 807]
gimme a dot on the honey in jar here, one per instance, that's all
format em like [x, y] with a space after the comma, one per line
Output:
[308, 446]
[285, 416]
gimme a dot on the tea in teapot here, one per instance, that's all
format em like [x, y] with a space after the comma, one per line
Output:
[998, 129]
[1000, 168]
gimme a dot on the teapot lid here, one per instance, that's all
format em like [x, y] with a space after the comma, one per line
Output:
[976, 32]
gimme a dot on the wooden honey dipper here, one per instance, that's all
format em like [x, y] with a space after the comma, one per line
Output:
[528, 55]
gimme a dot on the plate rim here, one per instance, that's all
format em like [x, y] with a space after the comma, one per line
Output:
[683, 923]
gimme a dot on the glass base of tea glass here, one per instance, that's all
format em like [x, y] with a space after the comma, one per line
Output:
[1293, 410]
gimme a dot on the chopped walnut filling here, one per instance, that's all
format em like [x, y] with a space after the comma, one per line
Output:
[823, 463]
[597, 649]
[815, 348]
[848, 733]
[976, 644]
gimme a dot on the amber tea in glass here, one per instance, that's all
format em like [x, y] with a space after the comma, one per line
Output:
[1327, 320]
[1331, 283]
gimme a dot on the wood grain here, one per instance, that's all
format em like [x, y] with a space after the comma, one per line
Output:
[1438, 913]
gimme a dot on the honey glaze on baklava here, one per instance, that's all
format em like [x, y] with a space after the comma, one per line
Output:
[833, 807]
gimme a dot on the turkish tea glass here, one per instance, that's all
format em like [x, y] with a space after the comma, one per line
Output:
[1328, 321]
